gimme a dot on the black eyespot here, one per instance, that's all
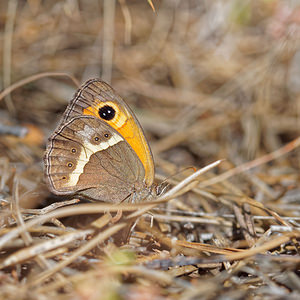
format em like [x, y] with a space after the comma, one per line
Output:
[73, 150]
[96, 138]
[64, 177]
[70, 165]
[106, 112]
[106, 135]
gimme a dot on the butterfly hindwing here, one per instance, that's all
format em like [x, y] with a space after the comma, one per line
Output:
[89, 157]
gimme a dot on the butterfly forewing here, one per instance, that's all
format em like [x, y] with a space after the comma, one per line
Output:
[91, 98]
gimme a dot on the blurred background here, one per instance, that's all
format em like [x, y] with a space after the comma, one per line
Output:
[207, 79]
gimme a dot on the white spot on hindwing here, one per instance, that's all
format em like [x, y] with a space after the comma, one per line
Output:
[88, 150]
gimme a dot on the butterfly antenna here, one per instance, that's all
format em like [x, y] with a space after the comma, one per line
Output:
[181, 171]
[160, 189]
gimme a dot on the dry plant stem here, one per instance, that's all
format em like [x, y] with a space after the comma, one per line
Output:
[254, 163]
[102, 236]
[4, 172]
[243, 225]
[273, 243]
[198, 220]
[56, 252]
[32, 78]
[159, 31]
[151, 4]
[144, 227]
[249, 219]
[44, 247]
[102, 221]
[180, 271]
[50, 207]
[267, 190]
[239, 254]
[207, 248]
[80, 209]
[7, 49]
[191, 214]
[41, 260]
[128, 22]
[42, 229]
[180, 260]
[117, 217]
[25, 234]
[186, 248]
[15, 209]
[176, 191]
[259, 242]
[159, 277]
[278, 218]
[214, 261]
[242, 200]
[108, 38]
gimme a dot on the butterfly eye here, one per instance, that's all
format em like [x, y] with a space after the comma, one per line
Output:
[106, 112]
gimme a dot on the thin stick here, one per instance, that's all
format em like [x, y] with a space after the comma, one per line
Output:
[43, 247]
[108, 38]
[187, 181]
[81, 251]
[128, 21]
[35, 77]
[7, 48]
[41, 260]
[254, 163]
[79, 209]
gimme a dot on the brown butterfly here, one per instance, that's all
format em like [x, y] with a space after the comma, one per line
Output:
[99, 150]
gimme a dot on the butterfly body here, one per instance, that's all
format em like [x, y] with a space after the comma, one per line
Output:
[99, 150]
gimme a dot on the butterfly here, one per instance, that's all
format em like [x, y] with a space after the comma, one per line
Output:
[98, 150]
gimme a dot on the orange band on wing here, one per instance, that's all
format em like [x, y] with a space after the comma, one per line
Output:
[125, 124]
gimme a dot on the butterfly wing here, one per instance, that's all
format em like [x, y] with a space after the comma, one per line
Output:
[87, 156]
[94, 97]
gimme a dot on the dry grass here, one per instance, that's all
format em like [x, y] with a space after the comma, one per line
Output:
[209, 80]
